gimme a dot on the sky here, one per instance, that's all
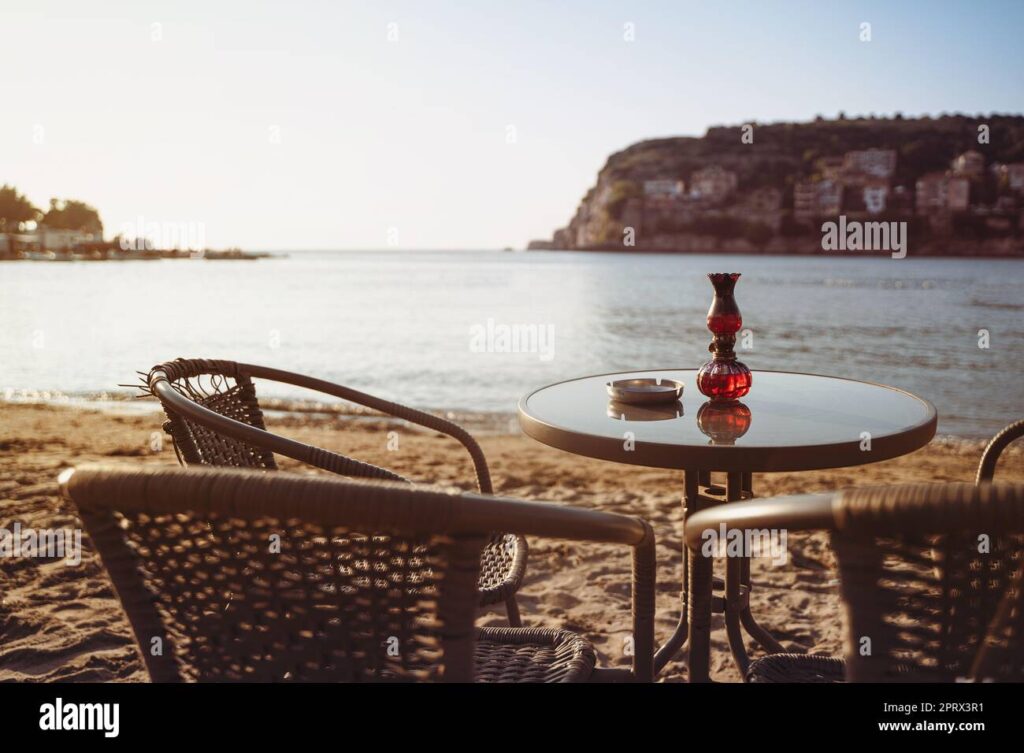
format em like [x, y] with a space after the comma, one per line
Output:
[438, 125]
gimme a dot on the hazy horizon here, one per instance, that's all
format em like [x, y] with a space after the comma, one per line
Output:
[435, 127]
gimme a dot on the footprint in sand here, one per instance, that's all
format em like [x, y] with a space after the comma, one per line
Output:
[561, 600]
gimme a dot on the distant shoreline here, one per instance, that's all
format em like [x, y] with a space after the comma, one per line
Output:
[124, 401]
[118, 255]
[746, 252]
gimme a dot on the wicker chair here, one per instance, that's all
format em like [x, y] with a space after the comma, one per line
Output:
[234, 575]
[926, 577]
[214, 418]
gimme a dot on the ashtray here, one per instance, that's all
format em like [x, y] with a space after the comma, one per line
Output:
[645, 391]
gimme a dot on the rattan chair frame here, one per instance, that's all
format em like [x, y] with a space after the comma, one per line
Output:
[933, 525]
[989, 458]
[115, 500]
[504, 557]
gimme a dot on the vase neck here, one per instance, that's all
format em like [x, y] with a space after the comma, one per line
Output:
[724, 284]
[724, 315]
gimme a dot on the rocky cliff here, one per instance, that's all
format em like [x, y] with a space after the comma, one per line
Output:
[733, 189]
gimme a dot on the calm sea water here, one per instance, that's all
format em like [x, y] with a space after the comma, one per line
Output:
[402, 324]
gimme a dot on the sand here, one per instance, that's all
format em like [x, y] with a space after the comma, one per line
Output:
[64, 623]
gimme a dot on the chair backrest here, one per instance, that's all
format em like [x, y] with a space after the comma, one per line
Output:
[215, 419]
[219, 386]
[1001, 657]
[230, 574]
[923, 571]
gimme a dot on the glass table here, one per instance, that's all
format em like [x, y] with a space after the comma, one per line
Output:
[788, 422]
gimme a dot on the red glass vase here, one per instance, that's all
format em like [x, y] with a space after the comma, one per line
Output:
[723, 378]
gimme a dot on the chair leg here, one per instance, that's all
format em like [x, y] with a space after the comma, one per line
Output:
[512, 610]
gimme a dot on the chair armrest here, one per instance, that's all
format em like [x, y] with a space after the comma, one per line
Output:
[346, 466]
[412, 415]
[799, 512]
[989, 458]
[873, 510]
[644, 589]
[177, 403]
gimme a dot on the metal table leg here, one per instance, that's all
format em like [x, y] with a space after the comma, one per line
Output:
[699, 591]
[682, 631]
[701, 574]
[694, 626]
[734, 593]
[758, 633]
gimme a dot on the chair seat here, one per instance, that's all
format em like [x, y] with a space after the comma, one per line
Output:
[797, 668]
[532, 655]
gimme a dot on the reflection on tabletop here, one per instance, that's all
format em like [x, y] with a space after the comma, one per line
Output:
[724, 422]
[626, 412]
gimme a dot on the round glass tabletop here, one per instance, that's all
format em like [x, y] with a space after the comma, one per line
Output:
[788, 422]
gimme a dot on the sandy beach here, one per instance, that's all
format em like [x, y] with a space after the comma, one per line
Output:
[59, 622]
